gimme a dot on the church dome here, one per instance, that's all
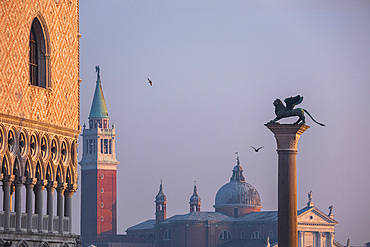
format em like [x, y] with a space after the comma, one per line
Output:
[237, 194]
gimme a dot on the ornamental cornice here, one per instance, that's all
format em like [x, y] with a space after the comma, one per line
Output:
[237, 205]
[32, 124]
[316, 224]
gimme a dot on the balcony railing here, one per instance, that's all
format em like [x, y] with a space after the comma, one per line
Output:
[45, 222]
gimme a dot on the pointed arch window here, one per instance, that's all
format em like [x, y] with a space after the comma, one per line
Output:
[39, 58]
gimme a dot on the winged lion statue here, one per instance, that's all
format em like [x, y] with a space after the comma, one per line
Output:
[282, 111]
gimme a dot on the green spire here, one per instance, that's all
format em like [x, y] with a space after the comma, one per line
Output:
[98, 107]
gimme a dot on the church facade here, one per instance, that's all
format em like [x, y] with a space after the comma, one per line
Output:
[39, 120]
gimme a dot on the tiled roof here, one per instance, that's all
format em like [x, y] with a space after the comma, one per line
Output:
[146, 225]
[199, 216]
[98, 107]
[259, 216]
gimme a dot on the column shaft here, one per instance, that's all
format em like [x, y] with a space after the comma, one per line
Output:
[29, 203]
[50, 205]
[287, 136]
[287, 198]
[60, 190]
[7, 183]
[18, 204]
[68, 206]
[39, 189]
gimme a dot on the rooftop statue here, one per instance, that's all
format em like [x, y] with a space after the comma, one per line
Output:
[282, 111]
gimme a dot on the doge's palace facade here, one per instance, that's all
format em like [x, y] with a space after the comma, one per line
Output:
[39, 120]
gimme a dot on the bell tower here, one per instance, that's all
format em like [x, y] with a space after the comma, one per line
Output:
[98, 172]
[195, 201]
[160, 206]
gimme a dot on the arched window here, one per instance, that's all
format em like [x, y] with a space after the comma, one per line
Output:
[167, 235]
[256, 235]
[225, 235]
[39, 55]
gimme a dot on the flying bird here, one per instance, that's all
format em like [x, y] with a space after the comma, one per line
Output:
[150, 82]
[257, 149]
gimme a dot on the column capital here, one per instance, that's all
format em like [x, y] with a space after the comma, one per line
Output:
[19, 180]
[8, 178]
[52, 184]
[41, 183]
[287, 135]
[30, 181]
[72, 188]
[62, 186]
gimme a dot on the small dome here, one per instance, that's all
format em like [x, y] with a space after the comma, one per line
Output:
[195, 199]
[160, 196]
[237, 193]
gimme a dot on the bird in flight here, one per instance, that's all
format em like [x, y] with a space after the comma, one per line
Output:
[150, 82]
[257, 149]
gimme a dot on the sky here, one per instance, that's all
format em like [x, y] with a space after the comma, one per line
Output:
[216, 68]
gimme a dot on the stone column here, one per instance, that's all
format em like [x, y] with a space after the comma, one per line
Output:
[7, 184]
[29, 183]
[300, 239]
[331, 239]
[319, 235]
[18, 203]
[39, 202]
[50, 204]
[287, 136]
[68, 193]
[60, 189]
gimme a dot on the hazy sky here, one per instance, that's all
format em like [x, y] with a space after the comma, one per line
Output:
[216, 68]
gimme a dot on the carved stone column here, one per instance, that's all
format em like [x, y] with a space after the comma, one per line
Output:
[50, 204]
[68, 193]
[29, 183]
[18, 203]
[39, 202]
[60, 189]
[287, 136]
[7, 184]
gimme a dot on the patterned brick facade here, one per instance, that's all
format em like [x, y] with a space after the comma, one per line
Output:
[58, 104]
[39, 125]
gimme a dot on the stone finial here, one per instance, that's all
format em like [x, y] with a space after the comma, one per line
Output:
[310, 202]
[97, 70]
[331, 215]
[348, 241]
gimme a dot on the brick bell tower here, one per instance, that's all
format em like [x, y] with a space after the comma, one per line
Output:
[98, 172]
